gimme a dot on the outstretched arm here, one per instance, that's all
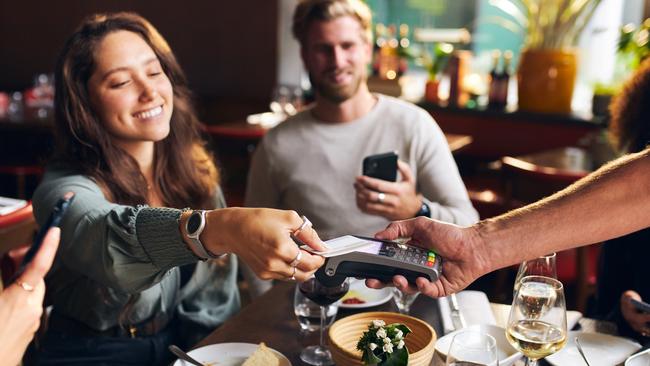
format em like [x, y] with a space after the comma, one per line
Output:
[613, 201]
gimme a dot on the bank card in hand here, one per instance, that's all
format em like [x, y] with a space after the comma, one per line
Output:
[339, 246]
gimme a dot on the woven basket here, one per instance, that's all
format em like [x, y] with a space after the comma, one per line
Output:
[345, 333]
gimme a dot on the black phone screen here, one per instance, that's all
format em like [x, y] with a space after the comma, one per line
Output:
[381, 166]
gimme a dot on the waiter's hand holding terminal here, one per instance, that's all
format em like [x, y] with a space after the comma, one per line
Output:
[459, 264]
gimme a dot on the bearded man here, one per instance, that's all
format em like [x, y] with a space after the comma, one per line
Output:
[312, 162]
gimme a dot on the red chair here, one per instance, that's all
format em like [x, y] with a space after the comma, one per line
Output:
[16, 233]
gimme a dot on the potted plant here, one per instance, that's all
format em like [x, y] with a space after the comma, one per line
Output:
[436, 65]
[548, 63]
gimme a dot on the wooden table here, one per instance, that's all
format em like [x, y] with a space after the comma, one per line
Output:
[270, 318]
[242, 130]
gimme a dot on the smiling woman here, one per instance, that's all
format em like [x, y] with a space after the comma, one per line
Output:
[136, 271]
[130, 92]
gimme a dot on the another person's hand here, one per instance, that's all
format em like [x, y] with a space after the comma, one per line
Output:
[463, 260]
[639, 321]
[21, 303]
[392, 200]
[261, 237]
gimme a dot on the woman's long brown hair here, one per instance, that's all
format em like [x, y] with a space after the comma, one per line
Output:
[184, 172]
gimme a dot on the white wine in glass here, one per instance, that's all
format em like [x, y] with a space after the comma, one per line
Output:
[537, 323]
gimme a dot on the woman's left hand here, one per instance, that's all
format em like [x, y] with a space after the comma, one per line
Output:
[392, 200]
[261, 237]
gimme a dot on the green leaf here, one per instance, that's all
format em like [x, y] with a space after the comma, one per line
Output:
[399, 357]
[369, 357]
[405, 330]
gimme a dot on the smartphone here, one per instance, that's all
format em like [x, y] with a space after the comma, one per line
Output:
[381, 166]
[54, 220]
[641, 305]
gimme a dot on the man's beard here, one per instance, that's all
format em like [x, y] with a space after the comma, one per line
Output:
[337, 93]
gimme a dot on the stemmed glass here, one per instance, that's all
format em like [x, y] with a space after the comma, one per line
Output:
[403, 300]
[537, 322]
[541, 266]
[471, 347]
[323, 296]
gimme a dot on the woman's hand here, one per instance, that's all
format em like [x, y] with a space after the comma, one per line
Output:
[261, 237]
[637, 320]
[392, 200]
[21, 304]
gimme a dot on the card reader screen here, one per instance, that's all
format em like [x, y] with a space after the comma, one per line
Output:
[372, 248]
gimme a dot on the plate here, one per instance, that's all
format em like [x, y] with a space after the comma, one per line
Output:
[640, 359]
[369, 296]
[227, 354]
[600, 349]
[507, 354]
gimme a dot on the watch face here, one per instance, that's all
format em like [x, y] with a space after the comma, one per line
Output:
[194, 222]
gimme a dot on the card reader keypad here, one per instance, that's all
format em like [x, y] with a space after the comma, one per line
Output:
[410, 254]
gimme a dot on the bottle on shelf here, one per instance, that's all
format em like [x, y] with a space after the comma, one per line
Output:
[389, 58]
[499, 79]
[402, 49]
[380, 41]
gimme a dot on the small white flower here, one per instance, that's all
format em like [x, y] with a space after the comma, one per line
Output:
[399, 334]
[372, 346]
[388, 348]
[400, 345]
[386, 340]
[381, 333]
[378, 323]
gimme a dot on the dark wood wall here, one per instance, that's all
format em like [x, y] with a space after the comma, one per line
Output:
[227, 48]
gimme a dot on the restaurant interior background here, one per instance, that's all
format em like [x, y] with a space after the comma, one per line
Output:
[239, 56]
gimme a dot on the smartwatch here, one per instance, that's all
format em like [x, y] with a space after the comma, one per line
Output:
[424, 210]
[193, 228]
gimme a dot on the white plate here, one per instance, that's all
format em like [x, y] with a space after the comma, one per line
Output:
[507, 354]
[640, 359]
[370, 296]
[600, 349]
[227, 354]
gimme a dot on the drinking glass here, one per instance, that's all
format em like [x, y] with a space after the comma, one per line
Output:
[323, 296]
[308, 312]
[537, 322]
[472, 347]
[541, 266]
[403, 301]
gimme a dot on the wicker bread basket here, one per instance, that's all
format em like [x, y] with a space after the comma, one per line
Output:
[345, 333]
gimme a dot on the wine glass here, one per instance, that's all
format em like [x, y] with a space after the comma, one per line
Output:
[403, 301]
[308, 312]
[323, 296]
[471, 347]
[537, 322]
[541, 266]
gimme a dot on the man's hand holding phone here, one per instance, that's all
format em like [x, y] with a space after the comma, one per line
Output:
[392, 200]
[636, 312]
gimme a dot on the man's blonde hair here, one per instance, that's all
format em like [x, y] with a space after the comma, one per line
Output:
[309, 11]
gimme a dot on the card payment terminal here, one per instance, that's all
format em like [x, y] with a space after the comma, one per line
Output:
[381, 259]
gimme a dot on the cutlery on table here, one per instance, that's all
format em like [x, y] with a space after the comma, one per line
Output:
[456, 316]
[582, 353]
[184, 356]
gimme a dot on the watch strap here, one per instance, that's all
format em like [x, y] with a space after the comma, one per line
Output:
[425, 210]
[195, 237]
